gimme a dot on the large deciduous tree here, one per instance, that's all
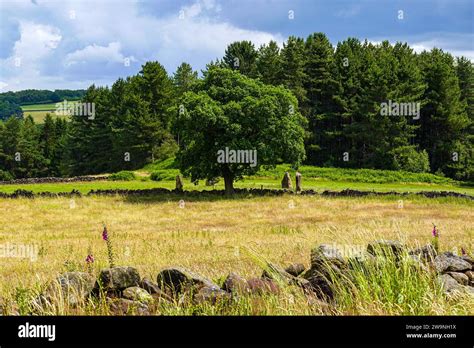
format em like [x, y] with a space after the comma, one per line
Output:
[235, 112]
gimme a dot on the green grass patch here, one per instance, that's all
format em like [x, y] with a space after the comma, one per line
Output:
[142, 183]
[166, 164]
[330, 174]
[166, 174]
[356, 175]
[43, 107]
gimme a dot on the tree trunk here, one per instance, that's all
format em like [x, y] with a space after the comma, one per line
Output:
[228, 181]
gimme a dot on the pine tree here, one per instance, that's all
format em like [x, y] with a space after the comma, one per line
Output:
[9, 139]
[464, 166]
[293, 63]
[32, 163]
[48, 139]
[269, 64]
[89, 147]
[241, 56]
[321, 107]
[348, 69]
[184, 78]
[444, 120]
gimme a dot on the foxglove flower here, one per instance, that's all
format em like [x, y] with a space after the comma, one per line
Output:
[105, 234]
[435, 231]
[435, 234]
[110, 251]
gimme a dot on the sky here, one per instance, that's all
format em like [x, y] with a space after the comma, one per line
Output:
[72, 44]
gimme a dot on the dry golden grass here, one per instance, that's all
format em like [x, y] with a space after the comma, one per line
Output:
[205, 236]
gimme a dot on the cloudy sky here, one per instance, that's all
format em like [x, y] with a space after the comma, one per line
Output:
[73, 43]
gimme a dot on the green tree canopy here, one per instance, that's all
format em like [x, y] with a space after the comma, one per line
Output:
[234, 112]
[241, 56]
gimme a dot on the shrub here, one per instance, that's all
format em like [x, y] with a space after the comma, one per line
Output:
[167, 174]
[124, 175]
[5, 176]
[167, 149]
[407, 158]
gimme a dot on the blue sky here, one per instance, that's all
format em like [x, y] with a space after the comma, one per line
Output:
[72, 43]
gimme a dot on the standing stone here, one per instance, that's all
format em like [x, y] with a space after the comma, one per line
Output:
[179, 183]
[298, 182]
[286, 182]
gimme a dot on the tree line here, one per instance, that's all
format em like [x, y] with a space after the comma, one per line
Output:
[339, 92]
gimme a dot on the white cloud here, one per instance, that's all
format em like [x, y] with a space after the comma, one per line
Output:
[102, 34]
[36, 44]
[95, 53]
[36, 41]
[199, 7]
[58, 51]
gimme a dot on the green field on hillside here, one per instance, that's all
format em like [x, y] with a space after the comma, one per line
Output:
[39, 107]
[39, 111]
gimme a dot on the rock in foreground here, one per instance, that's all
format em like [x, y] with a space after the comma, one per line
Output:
[119, 278]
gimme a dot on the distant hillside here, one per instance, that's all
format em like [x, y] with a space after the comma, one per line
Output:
[10, 102]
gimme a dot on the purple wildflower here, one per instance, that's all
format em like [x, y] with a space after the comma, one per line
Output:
[435, 231]
[105, 235]
[463, 252]
[90, 258]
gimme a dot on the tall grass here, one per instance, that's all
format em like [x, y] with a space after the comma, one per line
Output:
[388, 285]
[203, 237]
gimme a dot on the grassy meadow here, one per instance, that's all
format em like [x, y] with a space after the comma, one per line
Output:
[214, 236]
[211, 235]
